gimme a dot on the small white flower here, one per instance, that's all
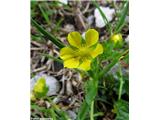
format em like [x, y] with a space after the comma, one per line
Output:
[109, 12]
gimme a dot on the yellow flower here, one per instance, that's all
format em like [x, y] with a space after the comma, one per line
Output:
[81, 51]
[116, 38]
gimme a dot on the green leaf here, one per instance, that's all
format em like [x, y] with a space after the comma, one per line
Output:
[56, 41]
[109, 66]
[52, 57]
[44, 14]
[52, 113]
[58, 24]
[108, 52]
[61, 113]
[37, 38]
[34, 106]
[121, 20]
[98, 114]
[126, 59]
[91, 90]
[83, 111]
[121, 108]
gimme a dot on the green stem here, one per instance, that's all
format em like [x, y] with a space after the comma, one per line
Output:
[92, 111]
[121, 83]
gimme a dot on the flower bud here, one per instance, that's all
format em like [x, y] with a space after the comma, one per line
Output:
[40, 89]
[116, 38]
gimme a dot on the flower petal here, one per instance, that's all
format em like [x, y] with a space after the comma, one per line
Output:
[92, 37]
[85, 65]
[66, 53]
[74, 39]
[98, 50]
[71, 63]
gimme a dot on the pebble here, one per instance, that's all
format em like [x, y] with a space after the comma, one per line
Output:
[64, 1]
[90, 19]
[72, 115]
[109, 12]
[127, 39]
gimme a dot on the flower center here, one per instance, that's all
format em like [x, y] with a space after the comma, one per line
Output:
[83, 51]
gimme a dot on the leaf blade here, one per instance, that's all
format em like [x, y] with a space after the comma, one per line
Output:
[52, 38]
[121, 21]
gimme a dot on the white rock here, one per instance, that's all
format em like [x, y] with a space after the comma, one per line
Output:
[90, 19]
[127, 39]
[99, 19]
[51, 82]
[64, 1]
[127, 19]
[72, 114]
[56, 100]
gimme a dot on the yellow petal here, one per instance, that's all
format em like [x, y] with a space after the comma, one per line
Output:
[71, 63]
[66, 53]
[92, 37]
[85, 65]
[74, 39]
[98, 50]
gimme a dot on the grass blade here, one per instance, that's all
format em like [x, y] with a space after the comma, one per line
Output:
[53, 58]
[44, 14]
[56, 41]
[52, 113]
[121, 21]
[83, 111]
[103, 16]
[63, 114]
